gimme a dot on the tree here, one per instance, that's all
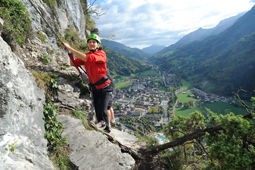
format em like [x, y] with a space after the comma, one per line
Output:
[212, 141]
[153, 110]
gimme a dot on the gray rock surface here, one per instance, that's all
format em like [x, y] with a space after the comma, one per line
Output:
[125, 139]
[69, 95]
[22, 143]
[75, 16]
[1, 24]
[91, 150]
[34, 15]
[68, 14]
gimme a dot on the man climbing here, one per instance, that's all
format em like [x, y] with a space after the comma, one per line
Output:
[101, 86]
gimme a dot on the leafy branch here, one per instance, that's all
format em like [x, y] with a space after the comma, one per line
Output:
[248, 109]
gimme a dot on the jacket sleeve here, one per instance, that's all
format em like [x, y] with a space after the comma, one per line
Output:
[79, 62]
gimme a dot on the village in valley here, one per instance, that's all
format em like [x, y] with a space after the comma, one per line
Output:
[148, 97]
[137, 99]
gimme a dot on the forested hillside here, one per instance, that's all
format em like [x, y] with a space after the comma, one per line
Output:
[221, 63]
[134, 53]
[121, 65]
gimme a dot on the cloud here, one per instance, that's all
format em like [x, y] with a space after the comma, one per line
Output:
[140, 23]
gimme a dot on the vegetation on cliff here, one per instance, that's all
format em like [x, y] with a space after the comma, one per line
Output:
[17, 24]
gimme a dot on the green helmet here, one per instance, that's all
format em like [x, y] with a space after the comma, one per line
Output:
[94, 37]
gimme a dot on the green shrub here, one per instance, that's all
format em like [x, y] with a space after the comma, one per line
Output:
[151, 141]
[174, 159]
[17, 24]
[90, 23]
[63, 67]
[83, 117]
[51, 3]
[48, 82]
[45, 58]
[12, 147]
[53, 127]
[76, 42]
[42, 37]
[42, 79]
[57, 146]
[79, 114]
[231, 147]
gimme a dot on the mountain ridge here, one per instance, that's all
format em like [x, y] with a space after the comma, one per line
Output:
[202, 33]
[151, 50]
[134, 53]
[195, 61]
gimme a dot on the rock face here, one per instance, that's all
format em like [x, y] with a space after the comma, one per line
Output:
[1, 24]
[91, 150]
[68, 13]
[74, 16]
[22, 143]
[126, 139]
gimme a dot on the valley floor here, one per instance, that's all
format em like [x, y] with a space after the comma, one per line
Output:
[133, 103]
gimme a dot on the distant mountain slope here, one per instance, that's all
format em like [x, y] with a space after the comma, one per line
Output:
[120, 65]
[235, 67]
[201, 34]
[220, 63]
[152, 49]
[124, 50]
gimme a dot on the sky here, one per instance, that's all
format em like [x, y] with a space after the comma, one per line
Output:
[141, 23]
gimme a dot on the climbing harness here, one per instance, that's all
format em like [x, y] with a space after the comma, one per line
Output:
[99, 82]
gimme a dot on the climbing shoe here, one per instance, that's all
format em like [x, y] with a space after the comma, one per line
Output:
[113, 123]
[107, 129]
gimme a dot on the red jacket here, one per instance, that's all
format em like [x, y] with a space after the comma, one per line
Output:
[95, 66]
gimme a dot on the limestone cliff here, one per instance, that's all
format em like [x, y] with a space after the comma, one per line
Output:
[22, 142]
[66, 14]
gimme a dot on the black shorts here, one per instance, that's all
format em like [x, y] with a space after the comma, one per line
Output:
[100, 101]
